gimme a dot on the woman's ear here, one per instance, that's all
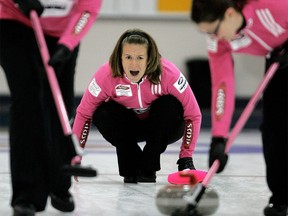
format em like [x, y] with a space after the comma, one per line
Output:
[230, 12]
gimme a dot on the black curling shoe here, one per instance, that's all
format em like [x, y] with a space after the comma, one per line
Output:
[147, 177]
[274, 210]
[63, 203]
[130, 179]
[24, 210]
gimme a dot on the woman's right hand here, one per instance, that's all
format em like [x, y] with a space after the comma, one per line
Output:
[26, 6]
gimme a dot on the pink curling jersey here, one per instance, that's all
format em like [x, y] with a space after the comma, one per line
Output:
[68, 19]
[266, 28]
[138, 97]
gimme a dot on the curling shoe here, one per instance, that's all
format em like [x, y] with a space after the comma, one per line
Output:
[63, 203]
[24, 210]
[274, 210]
[130, 179]
[147, 177]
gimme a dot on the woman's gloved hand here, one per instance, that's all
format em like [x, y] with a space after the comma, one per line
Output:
[26, 6]
[217, 152]
[60, 56]
[185, 163]
[280, 55]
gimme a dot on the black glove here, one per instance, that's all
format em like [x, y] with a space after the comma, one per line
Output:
[185, 163]
[217, 151]
[59, 57]
[280, 55]
[26, 6]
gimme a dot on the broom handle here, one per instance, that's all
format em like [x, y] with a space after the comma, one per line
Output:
[51, 74]
[54, 85]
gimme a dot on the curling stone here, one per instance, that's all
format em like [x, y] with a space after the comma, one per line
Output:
[174, 199]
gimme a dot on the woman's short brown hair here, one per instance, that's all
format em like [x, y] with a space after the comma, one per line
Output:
[137, 36]
[211, 10]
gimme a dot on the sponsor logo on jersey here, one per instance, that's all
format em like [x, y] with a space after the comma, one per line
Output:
[81, 23]
[212, 44]
[188, 134]
[84, 134]
[220, 101]
[94, 88]
[123, 90]
[181, 84]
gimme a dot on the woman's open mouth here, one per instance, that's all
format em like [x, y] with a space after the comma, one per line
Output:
[134, 73]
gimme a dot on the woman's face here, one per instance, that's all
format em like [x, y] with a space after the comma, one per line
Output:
[225, 28]
[134, 61]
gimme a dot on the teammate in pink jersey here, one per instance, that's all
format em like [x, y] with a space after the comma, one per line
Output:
[38, 147]
[140, 96]
[255, 27]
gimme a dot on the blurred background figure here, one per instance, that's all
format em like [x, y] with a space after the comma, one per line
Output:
[38, 147]
[256, 28]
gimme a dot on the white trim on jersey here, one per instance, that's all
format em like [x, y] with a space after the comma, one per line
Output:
[156, 89]
[269, 22]
[260, 41]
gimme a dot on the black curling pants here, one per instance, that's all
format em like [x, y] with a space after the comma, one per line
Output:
[38, 147]
[274, 136]
[123, 129]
